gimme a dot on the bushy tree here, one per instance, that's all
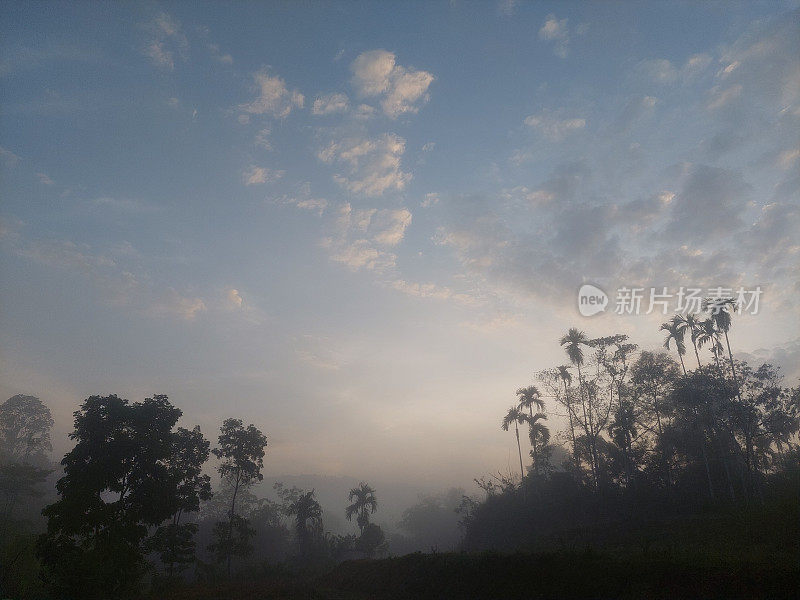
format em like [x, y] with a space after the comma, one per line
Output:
[241, 452]
[116, 484]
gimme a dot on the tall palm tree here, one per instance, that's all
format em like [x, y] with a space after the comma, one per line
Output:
[572, 342]
[363, 503]
[675, 329]
[566, 379]
[530, 397]
[539, 435]
[516, 416]
[721, 317]
[709, 335]
[693, 325]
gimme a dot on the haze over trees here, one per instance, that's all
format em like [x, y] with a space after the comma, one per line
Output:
[651, 451]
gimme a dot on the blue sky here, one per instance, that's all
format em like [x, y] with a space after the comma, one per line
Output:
[362, 225]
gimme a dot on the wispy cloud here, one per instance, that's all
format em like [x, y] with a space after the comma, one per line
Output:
[166, 43]
[274, 99]
[374, 164]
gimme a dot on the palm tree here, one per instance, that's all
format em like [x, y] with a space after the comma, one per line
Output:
[516, 416]
[307, 518]
[363, 503]
[539, 435]
[709, 334]
[572, 343]
[693, 324]
[675, 329]
[566, 378]
[530, 397]
[721, 316]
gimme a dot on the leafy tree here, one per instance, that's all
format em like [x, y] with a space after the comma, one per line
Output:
[174, 541]
[652, 377]
[232, 538]
[573, 343]
[18, 480]
[362, 503]
[566, 378]
[372, 540]
[241, 451]
[116, 484]
[25, 424]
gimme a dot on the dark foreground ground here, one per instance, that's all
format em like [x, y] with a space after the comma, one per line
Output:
[555, 575]
[750, 553]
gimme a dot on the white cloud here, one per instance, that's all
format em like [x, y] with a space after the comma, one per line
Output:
[330, 104]
[374, 163]
[552, 127]
[362, 237]
[44, 179]
[556, 31]
[234, 298]
[663, 71]
[305, 201]
[166, 43]
[390, 226]
[254, 175]
[375, 73]
[274, 98]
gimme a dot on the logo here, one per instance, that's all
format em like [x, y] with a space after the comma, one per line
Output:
[591, 300]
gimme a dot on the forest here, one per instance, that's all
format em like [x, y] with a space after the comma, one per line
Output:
[678, 475]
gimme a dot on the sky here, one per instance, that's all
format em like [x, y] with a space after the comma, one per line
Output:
[363, 226]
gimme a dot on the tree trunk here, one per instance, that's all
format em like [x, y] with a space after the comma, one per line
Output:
[519, 449]
[571, 426]
[587, 426]
[230, 523]
[705, 462]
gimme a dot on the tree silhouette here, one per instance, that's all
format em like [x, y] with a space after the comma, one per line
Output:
[566, 379]
[25, 424]
[539, 435]
[516, 416]
[695, 328]
[573, 343]
[363, 503]
[116, 484]
[174, 541]
[241, 452]
[307, 519]
[720, 315]
[676, 329]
